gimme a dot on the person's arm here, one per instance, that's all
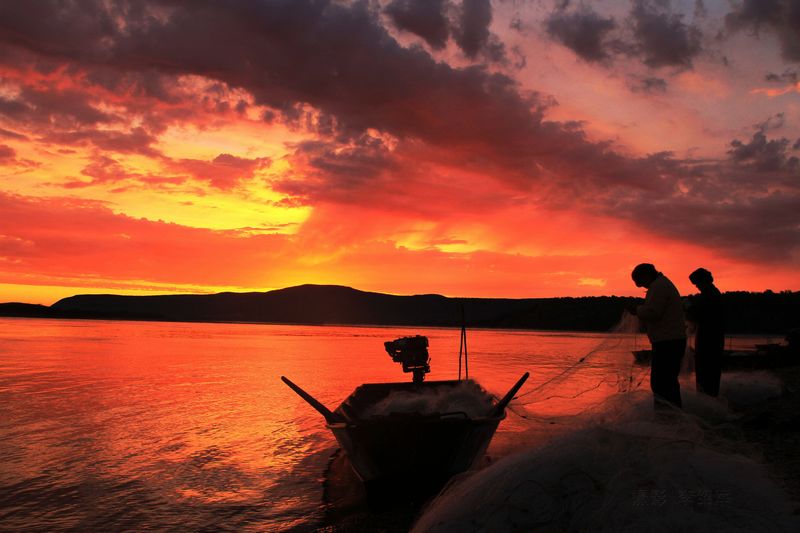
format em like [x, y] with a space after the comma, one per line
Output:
[654, 303]
[696, 308]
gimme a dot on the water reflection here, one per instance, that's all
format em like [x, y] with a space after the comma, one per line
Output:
[131, 425]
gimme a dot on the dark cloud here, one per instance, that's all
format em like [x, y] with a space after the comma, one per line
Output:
[725, 204]
[700, 10]
[761, 228]
[54, 114]
[335, 57]
[410, 179]
[650, 85]
[779, 16]
[583, 31]
[53, 108]
[775, 122]
[332, 172]
[652, 32]
[662, 38]
[472, 34]
[136, 141]
[148, 83]
[516, 24]
[356, 163]
[764, 155]
[747, 204]
[57, 28]
[437, 20]
[425, 18]
[333, 67]
[788, 76]
[351, 68]
[372, 172]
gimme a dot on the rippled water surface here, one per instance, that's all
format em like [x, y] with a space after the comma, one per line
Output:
[133, 425]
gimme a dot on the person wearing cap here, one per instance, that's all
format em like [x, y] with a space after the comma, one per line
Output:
[662, 314]
[707, 312]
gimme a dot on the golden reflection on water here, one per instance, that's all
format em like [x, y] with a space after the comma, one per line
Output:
[140, 424]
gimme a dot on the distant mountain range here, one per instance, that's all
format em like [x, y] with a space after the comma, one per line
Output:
[331, 304]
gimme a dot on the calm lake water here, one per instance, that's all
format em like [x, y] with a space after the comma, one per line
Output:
[144, 425]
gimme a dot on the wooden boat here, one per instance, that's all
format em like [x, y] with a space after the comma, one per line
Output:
[411, 448]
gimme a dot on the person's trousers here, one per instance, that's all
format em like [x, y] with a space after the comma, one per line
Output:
[708, 366]
[664, 369]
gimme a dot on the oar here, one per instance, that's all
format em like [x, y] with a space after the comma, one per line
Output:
[501, 405]
[330, 416]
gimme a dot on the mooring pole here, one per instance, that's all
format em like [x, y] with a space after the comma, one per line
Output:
[461, 343]
[463, 346]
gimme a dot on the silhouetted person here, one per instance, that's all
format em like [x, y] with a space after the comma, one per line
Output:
[706, 311]
[662, 314]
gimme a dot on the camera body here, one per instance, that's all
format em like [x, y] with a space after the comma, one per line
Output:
[412, 353]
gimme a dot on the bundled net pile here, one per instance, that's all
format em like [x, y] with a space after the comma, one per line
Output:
[465, 397]
[617, 476]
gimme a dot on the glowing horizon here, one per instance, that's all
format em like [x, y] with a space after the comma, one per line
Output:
[465, 148]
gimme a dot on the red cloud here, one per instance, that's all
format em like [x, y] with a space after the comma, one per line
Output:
[461, 138]
[136, 141]
[223, 172]
[7, 154]
[8, 158]
[77, 242]
[106, 170]
[62, 239]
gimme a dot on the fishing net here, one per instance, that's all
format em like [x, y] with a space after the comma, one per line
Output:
[607, 367]
[615, 465]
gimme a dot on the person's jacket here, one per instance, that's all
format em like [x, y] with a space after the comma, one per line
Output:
[707, 312]
[662, 311]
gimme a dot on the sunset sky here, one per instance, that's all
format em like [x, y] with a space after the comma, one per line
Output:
[475, 148]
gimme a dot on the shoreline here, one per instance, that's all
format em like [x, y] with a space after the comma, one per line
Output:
[773, 336]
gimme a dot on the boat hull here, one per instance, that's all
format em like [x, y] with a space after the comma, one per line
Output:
[410, 446]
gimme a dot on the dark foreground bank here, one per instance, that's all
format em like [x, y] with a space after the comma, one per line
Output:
[773, 427]
[758, 432]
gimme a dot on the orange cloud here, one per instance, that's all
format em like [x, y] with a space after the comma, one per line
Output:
[224, 171]
[772, 92]
[200, 153]
[80, 244]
